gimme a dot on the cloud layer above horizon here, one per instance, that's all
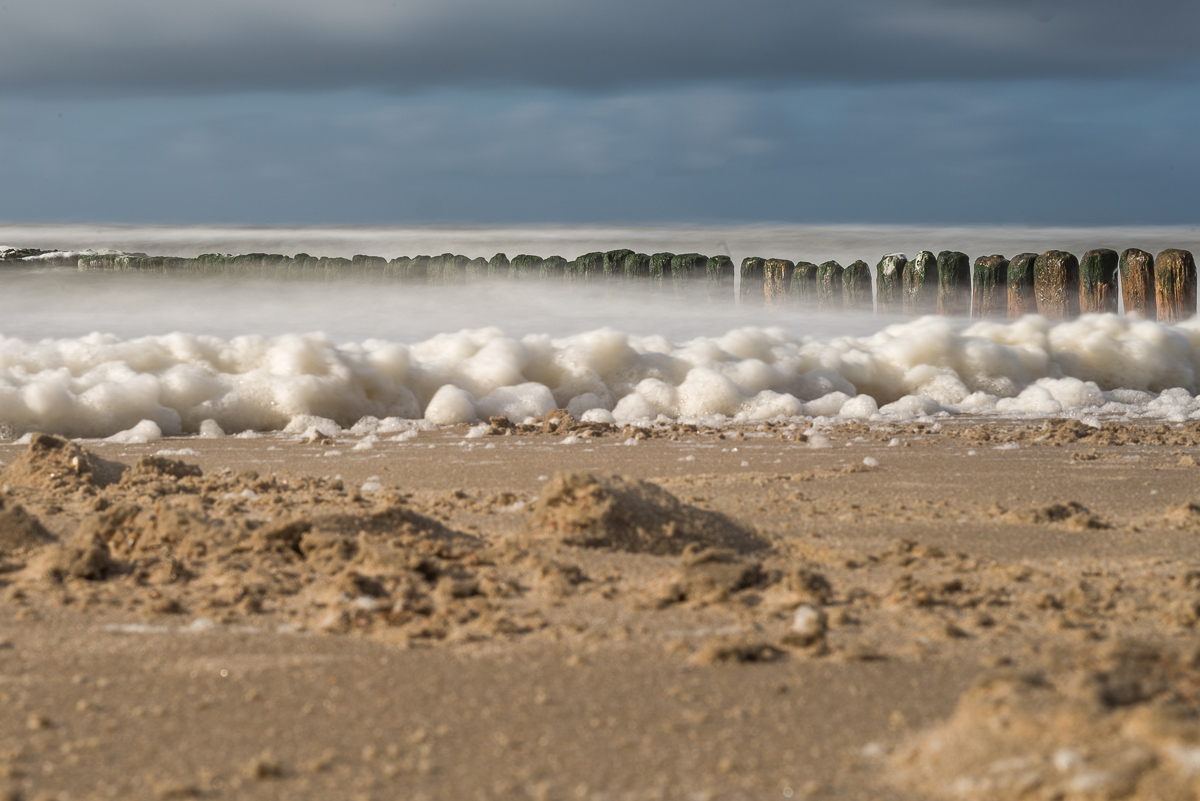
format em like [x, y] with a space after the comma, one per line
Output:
[548, 110]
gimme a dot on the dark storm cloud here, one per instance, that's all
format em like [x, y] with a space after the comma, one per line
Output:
[150, 46]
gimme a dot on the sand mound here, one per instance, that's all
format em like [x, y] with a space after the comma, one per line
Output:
[1071, 515]
[56, 463]
[626, 514]
[19, 530]
[1123, 722]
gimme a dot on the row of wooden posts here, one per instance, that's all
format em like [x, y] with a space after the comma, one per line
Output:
[1054, 284]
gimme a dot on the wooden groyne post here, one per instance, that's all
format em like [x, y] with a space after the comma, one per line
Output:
[1175, 283]
[1137, 284]
[989, 294]
[1056, 285]
[1021, 297]
[751, 276]
[856, 287]
[889, 283]
[777, 273]
[1098, 282]
[829, 287]
[803, 288]
[920, 284]
[954, 283]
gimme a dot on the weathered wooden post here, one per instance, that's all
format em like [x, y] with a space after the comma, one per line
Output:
[1175, 283]
[856, 287]
[803, 288]
[587, 267]
[1021, 297]
[637, 267]
[954, 283]
[525, 267]
[889, 283]
[552, 268]
[498, 266]
[1137, 284]
[830, 296]
[1056, 285]
[776, 275]
[751, 277]
[454, 269]
[660, 269]
[477, 269]
[614, 266]
[920, 284]
[718, 277]
[989, 294]
[686, 271]
[1098, 282]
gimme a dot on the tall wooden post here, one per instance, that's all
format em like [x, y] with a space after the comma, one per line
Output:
[803, 289]
[1056, 285]
[954, 283]
[920, 284]
[1021, 298]
[989, 294]
[1175, 283]
[777, 273]
[889, 283]
[1137, 284]
[829, 287]
[856, 287]
[1098, 282]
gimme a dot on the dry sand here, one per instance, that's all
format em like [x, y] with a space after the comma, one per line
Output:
[979, 611]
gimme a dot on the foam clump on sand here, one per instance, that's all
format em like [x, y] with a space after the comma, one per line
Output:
[101, 385]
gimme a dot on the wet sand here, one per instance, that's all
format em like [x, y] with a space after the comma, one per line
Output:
[977, 611]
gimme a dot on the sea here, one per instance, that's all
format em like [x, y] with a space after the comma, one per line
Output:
[136, 357]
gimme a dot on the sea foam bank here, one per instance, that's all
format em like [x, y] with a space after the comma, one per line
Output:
[1095, 367]
[97, 355]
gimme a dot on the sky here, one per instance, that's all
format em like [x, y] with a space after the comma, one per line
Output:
[411, 112]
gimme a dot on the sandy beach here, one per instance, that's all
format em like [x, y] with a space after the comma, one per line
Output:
[561, 610]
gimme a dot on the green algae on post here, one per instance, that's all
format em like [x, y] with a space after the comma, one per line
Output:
[856, 287]
[1137, 284]
[587, 267]
[803, 287]
[718, 277]
[613, 265]
[1056, 285]
[829, 287]
[552, 268]
[525, 267]
[920, 284]
[660, 268]
[498, 266]
[1021, 298]
[989, 294]
[776, 275]
[751, 276]
[889, 283]
[1175, 283]
[1098, 282]
[637, 267]
[476, 269]
[954, 283]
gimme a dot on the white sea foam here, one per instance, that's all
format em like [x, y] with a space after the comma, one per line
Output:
[147, 387]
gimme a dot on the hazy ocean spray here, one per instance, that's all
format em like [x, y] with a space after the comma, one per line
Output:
[95, 354]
